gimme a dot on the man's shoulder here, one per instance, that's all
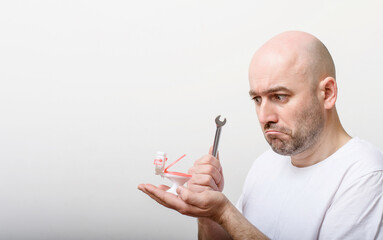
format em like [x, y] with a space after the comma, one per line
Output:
[357, 159]
[362, 152]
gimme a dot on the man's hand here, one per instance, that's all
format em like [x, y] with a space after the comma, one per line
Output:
[206, 174]
[209, 204]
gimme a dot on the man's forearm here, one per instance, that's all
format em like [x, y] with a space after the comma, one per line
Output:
[231, 224]
[208, 229]
[237, 226]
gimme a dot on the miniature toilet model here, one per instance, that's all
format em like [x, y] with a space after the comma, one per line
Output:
[177, 178]
[177, 181]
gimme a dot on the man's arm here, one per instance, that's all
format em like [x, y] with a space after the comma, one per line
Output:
[208, 229]
[238, 226]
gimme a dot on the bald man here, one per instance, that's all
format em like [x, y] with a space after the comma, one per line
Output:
[316, 182]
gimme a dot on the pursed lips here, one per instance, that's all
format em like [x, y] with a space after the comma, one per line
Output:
[272, 131]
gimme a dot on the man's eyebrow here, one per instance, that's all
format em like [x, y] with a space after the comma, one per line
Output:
[270, 90]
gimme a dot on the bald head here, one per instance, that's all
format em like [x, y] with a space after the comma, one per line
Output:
[300, 52]
[292, 83]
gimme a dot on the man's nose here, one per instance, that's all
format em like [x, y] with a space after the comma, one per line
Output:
[267, 113]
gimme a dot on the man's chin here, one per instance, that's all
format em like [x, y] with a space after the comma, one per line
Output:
[281, 151]
[279, 146]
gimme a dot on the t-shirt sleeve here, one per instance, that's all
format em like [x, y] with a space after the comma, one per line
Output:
[239, 204]
[356, 211]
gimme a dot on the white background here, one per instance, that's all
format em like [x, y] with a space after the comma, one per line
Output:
[91, 90]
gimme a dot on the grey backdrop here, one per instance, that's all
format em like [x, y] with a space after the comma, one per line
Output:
[91, 90]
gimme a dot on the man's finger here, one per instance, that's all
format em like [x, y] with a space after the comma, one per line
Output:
[193, 198]
[211, 152]
[167, 199]
[203, 180]
[209, 160]
[207, 170]
[198, 188]
[163, 187]
[143, 188]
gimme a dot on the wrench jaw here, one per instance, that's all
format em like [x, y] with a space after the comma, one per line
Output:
[217, 134]
[219, 122]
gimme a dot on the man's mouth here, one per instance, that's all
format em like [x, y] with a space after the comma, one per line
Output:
[277, 132]
[272, 131]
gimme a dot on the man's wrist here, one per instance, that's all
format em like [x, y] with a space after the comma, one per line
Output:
[220, 215]
[225, 213]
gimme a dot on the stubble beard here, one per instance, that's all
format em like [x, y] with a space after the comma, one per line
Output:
[309, 125]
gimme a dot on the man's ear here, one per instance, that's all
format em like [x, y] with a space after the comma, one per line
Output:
[329, 92]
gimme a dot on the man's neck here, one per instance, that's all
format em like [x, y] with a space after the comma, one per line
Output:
[332, 138]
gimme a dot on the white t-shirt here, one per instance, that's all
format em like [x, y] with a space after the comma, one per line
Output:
[340, 197]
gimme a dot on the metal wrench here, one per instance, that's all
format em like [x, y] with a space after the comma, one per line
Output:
[217, 134]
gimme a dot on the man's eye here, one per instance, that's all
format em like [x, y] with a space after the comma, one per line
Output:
[280, 97]
[257, 99]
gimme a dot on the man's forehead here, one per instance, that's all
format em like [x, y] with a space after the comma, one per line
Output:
[281, 77]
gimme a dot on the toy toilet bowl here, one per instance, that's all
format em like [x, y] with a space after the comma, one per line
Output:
[178, 179]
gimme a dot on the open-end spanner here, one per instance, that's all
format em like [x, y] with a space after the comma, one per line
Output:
[217, 134]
